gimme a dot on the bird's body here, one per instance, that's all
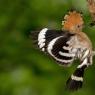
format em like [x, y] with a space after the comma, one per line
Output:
[81, 43]
[66, 45]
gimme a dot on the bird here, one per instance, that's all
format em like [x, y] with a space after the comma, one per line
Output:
[66, 45]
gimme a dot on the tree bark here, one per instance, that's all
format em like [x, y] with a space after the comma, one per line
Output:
[91, 7]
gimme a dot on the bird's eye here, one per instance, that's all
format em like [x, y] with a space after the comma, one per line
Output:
[78, 26]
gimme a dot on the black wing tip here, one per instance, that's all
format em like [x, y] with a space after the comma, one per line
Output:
[73, 85]
[32, 34]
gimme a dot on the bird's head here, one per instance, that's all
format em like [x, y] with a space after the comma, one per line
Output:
[73, 22]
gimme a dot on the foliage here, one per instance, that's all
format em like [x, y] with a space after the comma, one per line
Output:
[25, 70]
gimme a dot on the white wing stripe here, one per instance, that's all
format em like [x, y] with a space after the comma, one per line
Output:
[84, 63]
[42, 45]
[41, 38]
[66, 54]
[85, 55]
[67, 48]
[41, 41]
[51, 44]
[43, 49]
[42, 34]
[50, 47]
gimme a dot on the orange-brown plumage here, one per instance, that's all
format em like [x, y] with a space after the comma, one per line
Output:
[73, 21]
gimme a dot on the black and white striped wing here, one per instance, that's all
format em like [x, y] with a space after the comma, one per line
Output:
[54, 42]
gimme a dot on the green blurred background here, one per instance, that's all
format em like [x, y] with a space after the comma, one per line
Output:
[25, 70]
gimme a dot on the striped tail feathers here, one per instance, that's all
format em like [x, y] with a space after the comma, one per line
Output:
[75, 82]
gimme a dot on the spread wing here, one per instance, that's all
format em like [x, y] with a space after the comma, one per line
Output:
[54, 42]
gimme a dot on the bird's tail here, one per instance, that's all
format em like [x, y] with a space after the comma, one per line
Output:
[76, 80]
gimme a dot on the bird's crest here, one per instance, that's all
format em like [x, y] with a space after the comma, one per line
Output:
[71, 19]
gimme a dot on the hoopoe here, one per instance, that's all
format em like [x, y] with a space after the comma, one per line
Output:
[66, 45]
